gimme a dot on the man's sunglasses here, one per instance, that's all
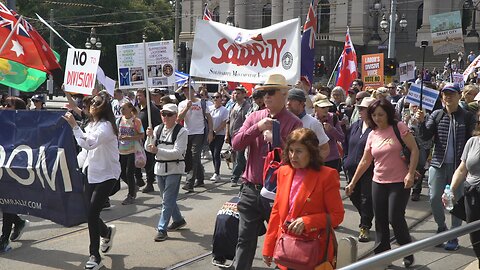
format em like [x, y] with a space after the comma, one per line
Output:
[215, 97]
[270, 92]
[168, 114]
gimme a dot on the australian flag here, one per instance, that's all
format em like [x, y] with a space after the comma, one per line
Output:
[207, 15]
[308, 42]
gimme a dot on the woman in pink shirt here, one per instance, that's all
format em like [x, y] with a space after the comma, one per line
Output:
[392, 176]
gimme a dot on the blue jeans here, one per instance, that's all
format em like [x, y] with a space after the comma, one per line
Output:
[169, 186]
[215, 148]
[239, 165]
[438, 178]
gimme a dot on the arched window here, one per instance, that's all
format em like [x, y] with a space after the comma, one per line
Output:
[420, 16]
[267, 15]
[216, 15]
[323, 16]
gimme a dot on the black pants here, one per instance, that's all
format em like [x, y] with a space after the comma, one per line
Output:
[472, 211]
[389, 204]
[8, 221]
[149, 166]
[253, 213]
[362, 198]
[335, 164]
[127, 162]
[97, 195]
[215, 148]
[193, 160]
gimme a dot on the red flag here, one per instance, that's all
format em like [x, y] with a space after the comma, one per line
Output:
[207, 15]
[26, 46]
[347, 70]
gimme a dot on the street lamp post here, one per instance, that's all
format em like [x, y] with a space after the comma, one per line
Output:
[375, 11]
[473, 32]
[93, 41]
[391, 34]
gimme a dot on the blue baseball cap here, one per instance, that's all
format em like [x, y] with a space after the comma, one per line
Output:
[452, 87]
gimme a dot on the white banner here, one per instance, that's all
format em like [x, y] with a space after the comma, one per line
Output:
[407, 71]
[81, 70]
[471, 68]
[429, 96]
[227, 53]
[160, 64]
[458, 78]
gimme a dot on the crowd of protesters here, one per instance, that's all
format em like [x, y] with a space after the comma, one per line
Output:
[360, 131]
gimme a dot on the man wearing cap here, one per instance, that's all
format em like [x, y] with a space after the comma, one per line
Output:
[450, 128]
[39, 102]
[305, 85]
[169, 167]
[157, 94]
[236, 118]
[198, 122]
[255, 134]
[296, 104]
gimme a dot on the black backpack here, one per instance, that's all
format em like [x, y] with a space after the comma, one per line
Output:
[176, 130]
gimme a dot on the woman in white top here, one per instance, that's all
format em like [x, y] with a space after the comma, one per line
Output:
[219, 117]
[99, 160]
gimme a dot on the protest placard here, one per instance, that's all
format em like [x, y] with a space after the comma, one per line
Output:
[160, 64]
[227, 53]
[372, 70]
[458, 78]
[447, 34]
[81, 70]
[429, 96]
[407, 71]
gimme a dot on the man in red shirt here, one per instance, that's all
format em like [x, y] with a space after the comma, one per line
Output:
[256, 134]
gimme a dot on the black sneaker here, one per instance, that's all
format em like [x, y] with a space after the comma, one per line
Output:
[140, 183]
[161, 236]
[19, 229]
[148, 188]
[177, 225]
[107, 204]
[199, 184]
[415, 197]
[187, 188]
[4, 247]
[128, 200]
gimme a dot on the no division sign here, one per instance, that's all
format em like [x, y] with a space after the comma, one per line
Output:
[81, 70]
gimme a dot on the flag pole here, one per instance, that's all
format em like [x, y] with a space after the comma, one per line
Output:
[145, 77]
[9, 37]
[333, 71]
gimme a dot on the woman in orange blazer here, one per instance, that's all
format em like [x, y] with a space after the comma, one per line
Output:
[306, 192]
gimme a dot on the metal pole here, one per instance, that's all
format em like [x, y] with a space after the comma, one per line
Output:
[421, 82]
[50, 76]
[177, 32]
[391, 34]
[145, 77]
[450, 67]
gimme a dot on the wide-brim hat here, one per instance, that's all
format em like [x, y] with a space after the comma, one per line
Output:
[322, 103]
[274, 81]
[366, 101]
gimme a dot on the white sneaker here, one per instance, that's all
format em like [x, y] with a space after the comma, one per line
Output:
[107, 243]
[92, 264]
[214, 177]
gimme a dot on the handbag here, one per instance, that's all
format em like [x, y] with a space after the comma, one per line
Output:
[300, 252]
[405, 152]
[140, 155]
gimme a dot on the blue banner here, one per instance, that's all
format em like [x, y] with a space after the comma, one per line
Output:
[39, 173]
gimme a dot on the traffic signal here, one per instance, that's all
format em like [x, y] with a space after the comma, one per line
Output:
[319, 68]
[390, 68]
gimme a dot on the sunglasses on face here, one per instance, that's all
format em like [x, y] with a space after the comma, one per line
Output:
[271, 92]
[96, 103]
[167, 114]
[215, 97]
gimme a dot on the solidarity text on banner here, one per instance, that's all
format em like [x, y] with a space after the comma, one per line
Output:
[38, 167]
[429, 96]
[227, 53]
[81, 70]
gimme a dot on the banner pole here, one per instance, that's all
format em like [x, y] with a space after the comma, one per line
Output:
[333, 71]
[145, 77]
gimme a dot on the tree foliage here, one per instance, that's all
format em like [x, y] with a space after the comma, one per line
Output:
[115, 22]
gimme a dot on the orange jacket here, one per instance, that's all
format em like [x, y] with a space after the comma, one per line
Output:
[319, 194]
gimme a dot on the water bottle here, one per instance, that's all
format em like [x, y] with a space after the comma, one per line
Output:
[448, 195]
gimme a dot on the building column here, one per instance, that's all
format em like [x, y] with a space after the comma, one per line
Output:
[277, 11]
[424, 33]
[240, 8]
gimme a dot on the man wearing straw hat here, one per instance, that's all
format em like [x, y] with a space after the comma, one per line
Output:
[255, 133]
